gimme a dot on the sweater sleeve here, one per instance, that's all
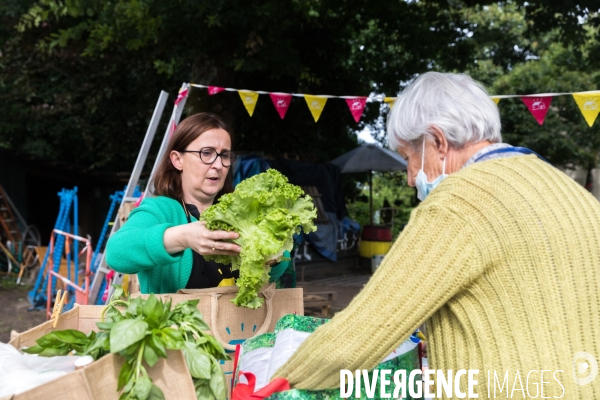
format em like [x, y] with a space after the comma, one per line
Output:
[433, 259]
[276, 271]
[139, 245]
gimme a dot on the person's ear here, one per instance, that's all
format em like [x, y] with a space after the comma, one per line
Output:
[176, 160]
[441, 143]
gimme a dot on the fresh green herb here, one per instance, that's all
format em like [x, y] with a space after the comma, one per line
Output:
[60, 343]
[266, 211]
[142, 331]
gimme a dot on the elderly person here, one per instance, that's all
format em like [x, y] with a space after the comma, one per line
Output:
[162, 241]
[501, 260]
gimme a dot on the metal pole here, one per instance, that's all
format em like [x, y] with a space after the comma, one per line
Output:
[175, 117]
[133, 181]
[139, 163]
[76, 233]
[371, 196]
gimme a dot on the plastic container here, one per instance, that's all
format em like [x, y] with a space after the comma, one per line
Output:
[375, 261]
[368, 248]
[377, 233]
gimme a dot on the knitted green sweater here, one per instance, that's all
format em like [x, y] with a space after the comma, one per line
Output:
[137, 248]
[502, 260]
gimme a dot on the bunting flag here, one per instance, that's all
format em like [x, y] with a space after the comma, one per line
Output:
[214, 90]
[183, 92]
[588, 105]
[249, 99]
[390, 101]
[181, 96]
[281, 101]
[538, 106]
[172, 127]
[356, 106]
[316, 104]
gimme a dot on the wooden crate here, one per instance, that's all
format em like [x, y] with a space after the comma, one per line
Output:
[322, 217]
[318, 304]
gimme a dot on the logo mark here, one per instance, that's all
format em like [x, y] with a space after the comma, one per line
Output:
[538, 105]
[590, 104]
[581, 368]
[356, 105]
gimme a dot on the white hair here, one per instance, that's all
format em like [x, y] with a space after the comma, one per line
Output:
[460, 107]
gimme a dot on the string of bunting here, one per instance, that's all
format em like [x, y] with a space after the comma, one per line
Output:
[538, 104]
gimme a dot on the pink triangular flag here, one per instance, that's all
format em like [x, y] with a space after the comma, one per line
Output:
[214, 90]
[172, 128]
[538, 106]
[356, 106]
[182, 95]
[281, 101]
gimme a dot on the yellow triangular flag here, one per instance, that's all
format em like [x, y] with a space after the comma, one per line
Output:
[589, 104]
[249, 99]
[496, 99]
[390, 101]
[316, 104]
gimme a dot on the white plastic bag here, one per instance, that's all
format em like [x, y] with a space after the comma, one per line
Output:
[286, 344]
[20, 372]
[263, 355]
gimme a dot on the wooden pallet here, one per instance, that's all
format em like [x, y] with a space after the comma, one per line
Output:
[322, 217]
[318, 304]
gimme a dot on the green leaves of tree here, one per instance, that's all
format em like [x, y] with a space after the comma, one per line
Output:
[71, 62]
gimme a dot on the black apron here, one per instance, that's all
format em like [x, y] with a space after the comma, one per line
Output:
[205, 274]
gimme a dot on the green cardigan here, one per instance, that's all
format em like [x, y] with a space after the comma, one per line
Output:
[137, 248]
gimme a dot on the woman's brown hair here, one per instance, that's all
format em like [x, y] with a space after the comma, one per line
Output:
[167, 179]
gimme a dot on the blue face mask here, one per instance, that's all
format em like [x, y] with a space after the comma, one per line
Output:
[424, 187]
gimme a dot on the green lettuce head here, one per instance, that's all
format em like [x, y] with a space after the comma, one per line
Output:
[266, 211]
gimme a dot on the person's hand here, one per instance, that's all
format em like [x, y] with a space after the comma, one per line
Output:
[198, 237]
[206, 242]
[270, 263]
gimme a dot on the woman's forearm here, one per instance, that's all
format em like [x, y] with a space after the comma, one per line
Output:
[175, 239]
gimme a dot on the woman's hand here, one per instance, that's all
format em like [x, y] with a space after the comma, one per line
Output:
[205, 242]
[198, 237]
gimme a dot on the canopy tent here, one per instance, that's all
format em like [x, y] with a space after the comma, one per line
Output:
[369, 158]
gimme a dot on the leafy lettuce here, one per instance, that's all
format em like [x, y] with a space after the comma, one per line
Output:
[266, 211]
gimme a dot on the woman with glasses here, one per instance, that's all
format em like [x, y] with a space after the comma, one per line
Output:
[162, 241]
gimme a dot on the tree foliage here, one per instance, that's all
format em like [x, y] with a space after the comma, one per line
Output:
[564, 138]
[393, 201]
[79, 78]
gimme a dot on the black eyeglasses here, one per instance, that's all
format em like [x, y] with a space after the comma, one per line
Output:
[208, 155]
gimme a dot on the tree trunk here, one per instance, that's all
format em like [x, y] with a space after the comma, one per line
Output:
[589, 180]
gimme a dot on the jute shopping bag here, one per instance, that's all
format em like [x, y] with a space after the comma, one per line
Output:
[232, 325]
[98, 381]
[81, 318]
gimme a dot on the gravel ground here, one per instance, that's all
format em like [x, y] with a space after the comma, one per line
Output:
[14, 314]
[14, 303]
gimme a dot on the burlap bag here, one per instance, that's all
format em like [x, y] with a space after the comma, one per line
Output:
[98, 381]
[232, 325]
